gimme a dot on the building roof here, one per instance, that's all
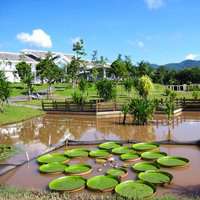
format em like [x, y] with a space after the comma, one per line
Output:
[14, 57]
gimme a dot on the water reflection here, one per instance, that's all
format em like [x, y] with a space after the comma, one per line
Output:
[52, 129]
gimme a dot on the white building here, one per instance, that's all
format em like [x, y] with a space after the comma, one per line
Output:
[8, 61]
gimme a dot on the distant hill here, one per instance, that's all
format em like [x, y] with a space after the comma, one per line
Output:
[181, 65]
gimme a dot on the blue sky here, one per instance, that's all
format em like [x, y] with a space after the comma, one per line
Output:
[158, 31]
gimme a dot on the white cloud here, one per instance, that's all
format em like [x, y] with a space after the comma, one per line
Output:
[38, 38]
[140, 44]
[75, 40]
[191, 56]
[154, 4]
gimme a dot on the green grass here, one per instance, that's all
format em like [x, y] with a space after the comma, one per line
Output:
[18, 89]
[10, 193]
[13, 114]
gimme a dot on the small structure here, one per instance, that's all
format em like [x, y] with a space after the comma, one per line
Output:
[183, 87]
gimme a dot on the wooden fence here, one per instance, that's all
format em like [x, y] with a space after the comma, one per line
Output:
[97, 106]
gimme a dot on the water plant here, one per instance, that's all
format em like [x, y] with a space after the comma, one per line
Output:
[122, 150]
[109, 145]
[151, 155]
[54, 167]
[172, 161]
[76, 153]
[102, 183]
[78, 169]
[145, 146]
[144, 166]
[129, 157]
[6, 151]
[155, 176]
[54, 157]
[99, 154]
[67, 183]
[117, 172]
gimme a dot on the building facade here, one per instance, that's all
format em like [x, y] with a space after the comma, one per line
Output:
[9, 60]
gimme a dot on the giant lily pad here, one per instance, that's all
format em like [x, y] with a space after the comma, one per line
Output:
[134, 190]
[122, 150]
[54, 167]
[102, 183]
[73, 153]
[144, 166]
[145, 146]
[130, 157]
[109, 145]
[78, 169]
[151, 155]
[155, 176]
[68, 183]
[172, 161]
[117, 172]
[99, 154]
[54, 157]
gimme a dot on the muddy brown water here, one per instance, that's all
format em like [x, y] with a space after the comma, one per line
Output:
[36, 135]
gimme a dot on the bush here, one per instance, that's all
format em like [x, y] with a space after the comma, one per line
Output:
[128, 84]
[195, 94]
[83, 85]
[142, 110]
[144, 86]
[78, 98]
[106, 89]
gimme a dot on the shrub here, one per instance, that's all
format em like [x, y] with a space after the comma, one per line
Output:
[83, 85]
[78, 98]
[106, 89]
[144, 86]
[128, 83]
[142, 110]
[195, 94]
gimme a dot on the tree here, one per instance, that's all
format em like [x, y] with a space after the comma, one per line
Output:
[131, 69]
[83, 85]
[77, 62]
[118, 68]
[26, 76]
[4, 90]
[49, 71]
[106, 89]
[144, 86]
[144, 69]
[95, 72]
[128, 84]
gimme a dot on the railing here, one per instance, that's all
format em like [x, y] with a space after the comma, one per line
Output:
[97, 106]
[93, 106]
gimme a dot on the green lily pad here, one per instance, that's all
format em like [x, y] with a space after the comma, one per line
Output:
[145, 146]
[67, 183]
[54, 167]
[144, 166]
[172, 161]
[155, 176]
[54, 157]
[73, 153]
[122, 150]
[134, 190]
[78, 169]
[130, 156]
[117, 172]
[102, 183]
[109, 145]
[151, 155]
[99, 154]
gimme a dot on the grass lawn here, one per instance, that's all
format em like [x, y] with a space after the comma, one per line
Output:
[13, 114]
[8, 193]
[18, 89]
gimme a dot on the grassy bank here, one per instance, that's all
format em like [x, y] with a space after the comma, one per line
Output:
[13, 114]
[7, 193]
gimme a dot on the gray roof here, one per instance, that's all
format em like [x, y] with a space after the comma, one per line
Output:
[14, 57]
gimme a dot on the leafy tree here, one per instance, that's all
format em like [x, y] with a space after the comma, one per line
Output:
[25, 74]
[128, 84]
[106, 89]
[4, 90]
[144, 69]
[144, 86]
[170, 104]
[131, 69]
[78, 98]
[95, 72]
[49, 71]
[118, 68]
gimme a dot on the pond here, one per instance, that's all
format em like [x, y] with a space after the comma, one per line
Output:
[37, 135]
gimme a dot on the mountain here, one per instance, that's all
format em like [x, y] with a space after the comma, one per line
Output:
[181, 65]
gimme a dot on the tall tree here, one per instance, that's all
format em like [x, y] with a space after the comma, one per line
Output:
[4, 90]
[118, 68]
[77, 63]
[49, 71]
[26, 76]
[144, 69]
